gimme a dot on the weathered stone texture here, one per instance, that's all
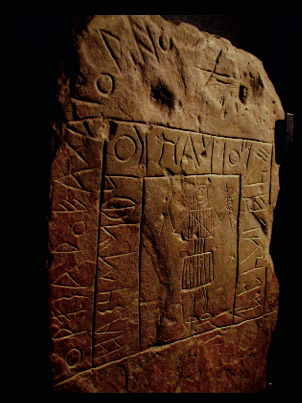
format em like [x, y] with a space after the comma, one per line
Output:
[163, 187]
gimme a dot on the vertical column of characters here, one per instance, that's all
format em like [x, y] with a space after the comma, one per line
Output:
[73, 233]
[116, 324]
[254, 161]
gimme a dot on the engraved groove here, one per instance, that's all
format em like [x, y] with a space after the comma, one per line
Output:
[89, 101]
[140, 263]
[188, 131]
[80, 156]
[112, 352]
[69, 287]
[190, 261]
[64, 274]
[162, 348]
[214, 70]
[101, 194]
[238, 246]
[194, 151]
[151, 38]
[250, 289]
[69, 336]
[103, 35]
[122, 255]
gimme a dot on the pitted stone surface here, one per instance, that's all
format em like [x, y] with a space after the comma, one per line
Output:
[163, 187]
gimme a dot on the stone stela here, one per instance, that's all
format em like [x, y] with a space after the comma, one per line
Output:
[160, 226]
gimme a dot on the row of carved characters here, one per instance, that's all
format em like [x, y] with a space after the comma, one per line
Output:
[138, 150]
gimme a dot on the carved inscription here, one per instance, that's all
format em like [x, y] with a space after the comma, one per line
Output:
[178, 152]
[117, 293]
[76, 176]
[254, 233]
[169, 218]
[180, 242]
[162, 189]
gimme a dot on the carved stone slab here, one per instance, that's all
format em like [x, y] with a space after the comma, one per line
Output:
[163, 187]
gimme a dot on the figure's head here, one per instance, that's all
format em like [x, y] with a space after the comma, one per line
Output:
[201, 195]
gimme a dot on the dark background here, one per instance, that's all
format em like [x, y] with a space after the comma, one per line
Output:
[43, 42]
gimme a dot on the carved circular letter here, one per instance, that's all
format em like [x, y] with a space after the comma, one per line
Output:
[105, 84]
[79, 228]
[234, 157]
[125, 148]
[73, 357]
[164, 42]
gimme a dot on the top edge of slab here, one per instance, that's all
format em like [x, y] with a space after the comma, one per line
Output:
[142, 68]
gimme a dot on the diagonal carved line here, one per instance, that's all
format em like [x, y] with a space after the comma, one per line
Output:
[72, 205]
[85, 124]
[70, 335]
[114, 219]
[66, 273]
[263, 157]
[109, 233]
[78, 201]
[143, 33]
[250, 230]
[122, 255]
[254, 268]
[264, 152]
[213, 72]
[249, 174]
[248, 157]
[111, 34]
[76, 179]
[166, 346]
[151, 38]
[109, 47]
[108, 264]
[142, 144]
[246, 310]
[140, 42]
[194, 150]
[105, 341]
[202, 225]
[107, 326]
[250, 255]
[110, 180]
[72, 148]
[250, 289]
[69, 186]
[112, 352]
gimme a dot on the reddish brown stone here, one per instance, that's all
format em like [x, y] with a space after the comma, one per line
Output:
[162, 189]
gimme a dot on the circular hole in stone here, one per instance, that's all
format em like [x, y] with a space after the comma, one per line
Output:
[234, 157]
[105, 84]
[79, 228]
[125, 148]
[73, 357]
